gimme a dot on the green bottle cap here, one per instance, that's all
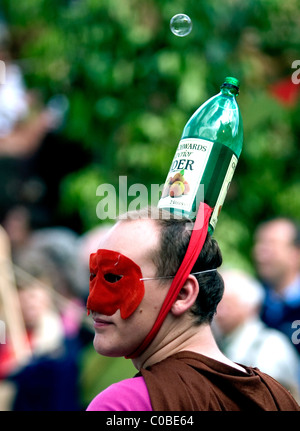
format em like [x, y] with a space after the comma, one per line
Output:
[232, 81]
[229, 81]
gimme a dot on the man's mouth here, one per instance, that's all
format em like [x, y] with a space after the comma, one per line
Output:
[100, 322]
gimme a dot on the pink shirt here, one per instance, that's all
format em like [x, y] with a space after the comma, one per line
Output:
[127, 395]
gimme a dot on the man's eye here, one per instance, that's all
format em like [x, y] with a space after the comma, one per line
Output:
[92, 276]
[112, 278]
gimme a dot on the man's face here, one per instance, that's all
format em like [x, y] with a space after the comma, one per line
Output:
[115, 336]
[35, 302]
[274, 253]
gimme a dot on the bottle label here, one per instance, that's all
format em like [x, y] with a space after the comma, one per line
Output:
[185, 174]
[223, 191]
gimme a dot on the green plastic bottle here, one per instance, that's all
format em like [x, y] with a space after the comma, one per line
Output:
[206, 157]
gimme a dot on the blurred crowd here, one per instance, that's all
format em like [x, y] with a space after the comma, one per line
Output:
[47, 361]
[258, 319]
[34, 153]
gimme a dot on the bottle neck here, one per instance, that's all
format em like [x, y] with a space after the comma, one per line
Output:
[229, 90]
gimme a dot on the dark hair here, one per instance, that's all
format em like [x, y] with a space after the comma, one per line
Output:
[175, 235]
[294, 223]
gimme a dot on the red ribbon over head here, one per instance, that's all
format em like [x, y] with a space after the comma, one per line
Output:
[197, 240]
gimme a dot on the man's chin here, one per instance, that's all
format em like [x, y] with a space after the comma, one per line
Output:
[106, 350]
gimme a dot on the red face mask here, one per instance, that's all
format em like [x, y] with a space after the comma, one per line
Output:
[115, 284]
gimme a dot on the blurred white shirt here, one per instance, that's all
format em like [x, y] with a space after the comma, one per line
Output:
[256, 345]
[13, 99]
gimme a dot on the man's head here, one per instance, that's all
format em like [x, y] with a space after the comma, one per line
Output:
[157, 244]
[242, 299]
[174, 237]
[277, 251]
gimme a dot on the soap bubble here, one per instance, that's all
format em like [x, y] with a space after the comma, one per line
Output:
[181, 25]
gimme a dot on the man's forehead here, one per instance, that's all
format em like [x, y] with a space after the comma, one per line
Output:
[132, 237]
[279, 230]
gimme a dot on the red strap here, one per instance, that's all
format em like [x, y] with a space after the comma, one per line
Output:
[197, 240]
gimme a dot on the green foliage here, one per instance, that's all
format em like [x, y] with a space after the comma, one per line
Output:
[132, 85]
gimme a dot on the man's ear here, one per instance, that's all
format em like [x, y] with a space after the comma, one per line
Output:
[186, 297]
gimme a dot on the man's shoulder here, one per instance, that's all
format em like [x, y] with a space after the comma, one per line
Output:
[127, 395]
[192, 381]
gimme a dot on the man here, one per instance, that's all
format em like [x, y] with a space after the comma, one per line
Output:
[277, 259]
[244, 338]
[152, 297]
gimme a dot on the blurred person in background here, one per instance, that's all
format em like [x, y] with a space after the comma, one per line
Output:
[32, 143]
[48, 381]
[24, 124]
[17, 225]
[59, 246]
[276, 256]
[23, 120]
[245, 339]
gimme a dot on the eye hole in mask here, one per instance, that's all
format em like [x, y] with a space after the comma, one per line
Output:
[112, 278]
